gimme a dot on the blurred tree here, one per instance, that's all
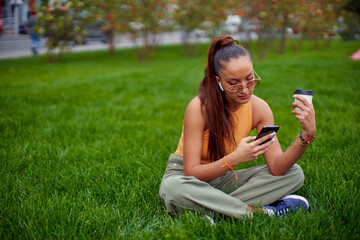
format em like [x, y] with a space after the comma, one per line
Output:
[352, 6]
[63, 23]
[111, 14]
[261, 17]
[215, 13]
[141, 19]
[349, 25]
[313, 19]
[189, 17]
[204, 15]
[319, 20]
[147, 18]
[284, 10]
[349, 20]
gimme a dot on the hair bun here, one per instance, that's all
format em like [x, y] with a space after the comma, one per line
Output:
[223, 41]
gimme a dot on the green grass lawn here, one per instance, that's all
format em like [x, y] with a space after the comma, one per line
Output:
[84, 143]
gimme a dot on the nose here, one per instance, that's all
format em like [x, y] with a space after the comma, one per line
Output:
[243, 87]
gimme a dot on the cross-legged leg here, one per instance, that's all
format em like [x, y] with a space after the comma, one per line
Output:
[256, 186]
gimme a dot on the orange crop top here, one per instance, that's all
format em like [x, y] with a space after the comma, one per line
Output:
[242, 130]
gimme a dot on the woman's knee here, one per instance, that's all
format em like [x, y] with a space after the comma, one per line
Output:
[297, 175]
[171, 189]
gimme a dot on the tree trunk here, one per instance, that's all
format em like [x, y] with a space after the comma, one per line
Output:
[190, 49]
[260, 45]
[285, 15]
[111, 43]
[328, 41]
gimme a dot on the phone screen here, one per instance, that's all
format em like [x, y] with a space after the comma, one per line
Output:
[267, 130]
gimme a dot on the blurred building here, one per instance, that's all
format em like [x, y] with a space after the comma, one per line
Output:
[13, 13]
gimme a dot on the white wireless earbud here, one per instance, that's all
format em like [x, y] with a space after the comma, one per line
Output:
[221, 87]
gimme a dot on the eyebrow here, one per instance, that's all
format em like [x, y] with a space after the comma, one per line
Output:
[252, 71]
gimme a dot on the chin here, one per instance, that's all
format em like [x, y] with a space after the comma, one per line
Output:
[236, 100]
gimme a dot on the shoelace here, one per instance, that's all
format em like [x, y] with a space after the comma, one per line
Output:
[269, 212]
[282, 208]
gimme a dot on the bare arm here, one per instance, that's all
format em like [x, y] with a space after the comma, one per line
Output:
[278, 162]
[194, 124]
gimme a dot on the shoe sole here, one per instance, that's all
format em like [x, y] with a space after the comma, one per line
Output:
[211, 221]
[299, 197]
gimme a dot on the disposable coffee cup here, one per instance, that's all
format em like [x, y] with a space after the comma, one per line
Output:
[308, 94]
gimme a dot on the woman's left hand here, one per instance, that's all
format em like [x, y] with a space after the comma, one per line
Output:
[306, 116]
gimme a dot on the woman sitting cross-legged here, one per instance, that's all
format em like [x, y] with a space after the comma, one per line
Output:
[215, 139]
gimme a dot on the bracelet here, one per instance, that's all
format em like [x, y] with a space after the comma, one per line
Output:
[305, 142]
[226, 164]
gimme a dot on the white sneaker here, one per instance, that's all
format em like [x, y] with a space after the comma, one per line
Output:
[210, 220]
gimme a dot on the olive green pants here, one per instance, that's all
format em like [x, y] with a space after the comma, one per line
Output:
[226, 195]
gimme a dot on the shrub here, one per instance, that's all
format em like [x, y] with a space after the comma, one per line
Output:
[63, 23]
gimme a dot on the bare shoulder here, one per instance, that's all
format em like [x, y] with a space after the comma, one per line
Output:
[194, 107]
[195, 103]
[261, 112]
[193, 111]
[257, 103]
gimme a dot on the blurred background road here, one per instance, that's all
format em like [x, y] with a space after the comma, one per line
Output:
[13, 46]
[19, 45]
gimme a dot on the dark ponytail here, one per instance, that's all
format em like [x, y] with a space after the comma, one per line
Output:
[215, 107]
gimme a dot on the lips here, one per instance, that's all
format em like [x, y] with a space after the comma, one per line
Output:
[244, 96]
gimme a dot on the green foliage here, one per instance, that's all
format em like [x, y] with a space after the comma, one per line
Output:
[199, 15]
[141, 20]
[352, 6]
[147, 19]
[189, 15]
[113, 17]
[306, 19]
[349, 27]
[84, 144]
[63, 23]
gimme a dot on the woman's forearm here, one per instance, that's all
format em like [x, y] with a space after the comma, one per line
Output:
[207, 172]
[286, 160]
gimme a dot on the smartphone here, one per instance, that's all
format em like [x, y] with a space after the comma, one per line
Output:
[266, 130]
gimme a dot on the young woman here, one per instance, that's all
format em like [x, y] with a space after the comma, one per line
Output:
[215, 139]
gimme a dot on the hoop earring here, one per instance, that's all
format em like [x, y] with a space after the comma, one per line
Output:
[222, 89]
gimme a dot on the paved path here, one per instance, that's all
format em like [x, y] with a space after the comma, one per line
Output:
[13, 46]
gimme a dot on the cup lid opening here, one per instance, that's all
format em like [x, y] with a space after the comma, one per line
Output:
[304, 92]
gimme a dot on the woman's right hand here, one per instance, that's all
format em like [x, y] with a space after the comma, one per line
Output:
[246, 152]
